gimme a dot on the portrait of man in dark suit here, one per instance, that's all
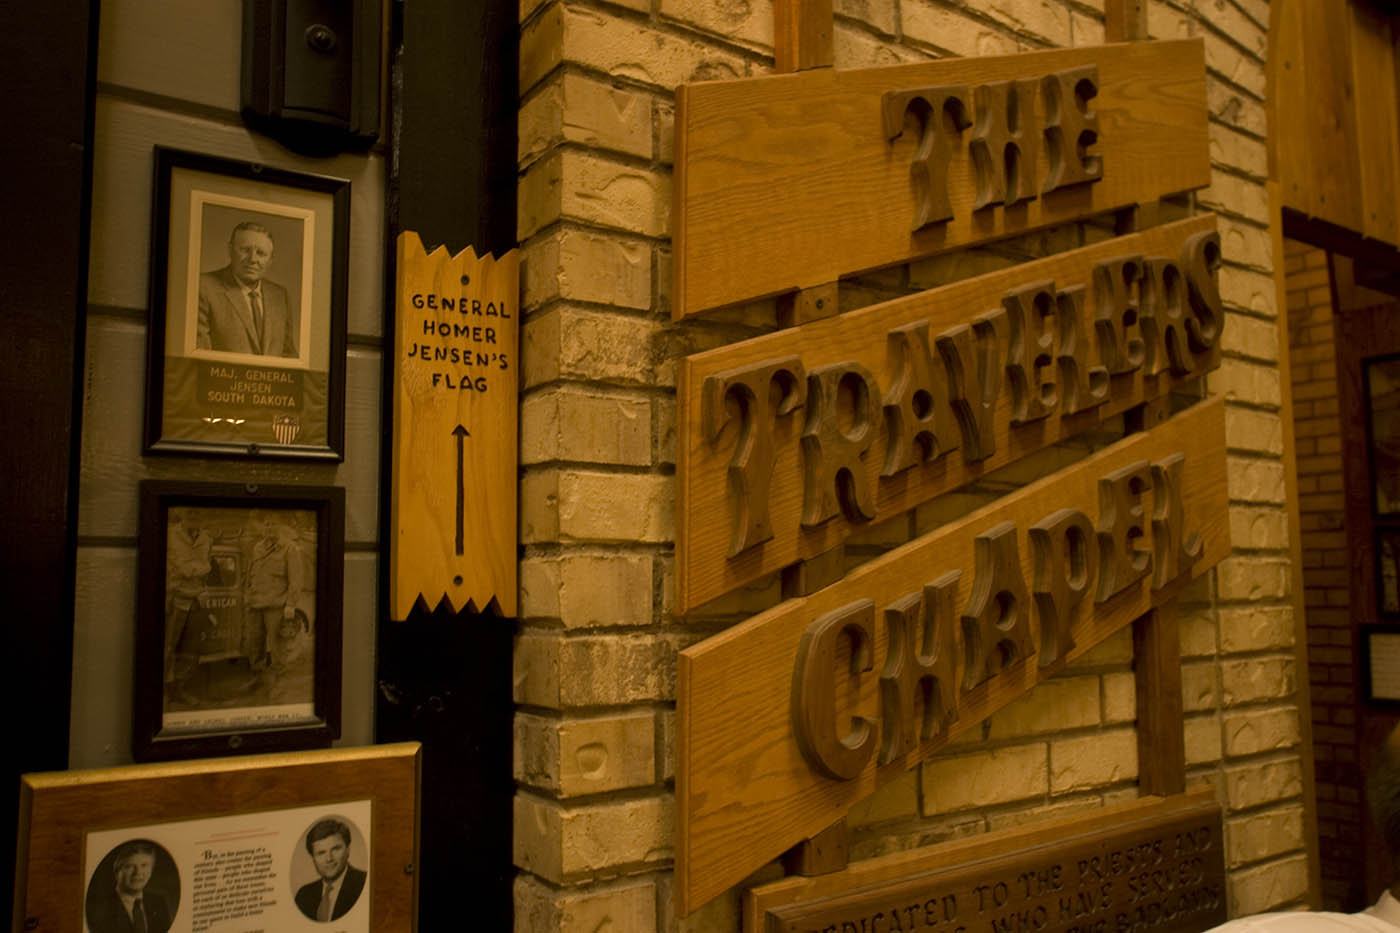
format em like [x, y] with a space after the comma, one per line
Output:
[331, 895]
[125, 901]
[240, 309]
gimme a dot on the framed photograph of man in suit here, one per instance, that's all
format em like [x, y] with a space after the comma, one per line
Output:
[247, 319]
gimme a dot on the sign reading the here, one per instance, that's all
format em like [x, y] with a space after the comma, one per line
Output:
[790, 718]
[1153, 864]
[455, 416]
[792, 181]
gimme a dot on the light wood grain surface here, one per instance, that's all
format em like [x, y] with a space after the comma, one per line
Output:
[744, 792]
[704, 568]
[453, 520]
[788, 181]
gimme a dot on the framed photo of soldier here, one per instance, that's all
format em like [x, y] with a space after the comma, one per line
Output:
[297, 841]
[246, 336]
[238, 630]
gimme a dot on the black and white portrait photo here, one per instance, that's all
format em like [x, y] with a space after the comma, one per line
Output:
[246, 339]
[136, 887]
[334, 848]
[250, 283]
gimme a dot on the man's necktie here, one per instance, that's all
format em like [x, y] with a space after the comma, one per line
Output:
[255, 299]
[138, 916]
[323, 913]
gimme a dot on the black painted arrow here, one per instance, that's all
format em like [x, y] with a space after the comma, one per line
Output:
[460, 432]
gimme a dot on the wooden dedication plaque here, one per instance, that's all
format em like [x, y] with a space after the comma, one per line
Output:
[455, 415]
[791, 181]
[1152, 864]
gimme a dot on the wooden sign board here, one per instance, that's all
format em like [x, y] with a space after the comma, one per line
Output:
[1083, 335]
[453, 507]
[918, 646]
[792, 181]
[1155, 863]
[228, 840]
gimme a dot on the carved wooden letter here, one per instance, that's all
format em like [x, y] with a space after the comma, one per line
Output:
[1164, 319]
[1123, 557]
[1071, 127]
[833, 474]
[1063, 545]
[814, 692]
[942, 113]
[974, 379]
[1003, 144]
[1173, 550]
[752, 389]
[1084, 386]
[1031, 312]
[1200, 260]
[996, 623]
[1116, 314]
[919, 424]
[919, 658]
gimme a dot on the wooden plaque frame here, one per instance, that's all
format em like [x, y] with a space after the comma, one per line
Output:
[59, 809]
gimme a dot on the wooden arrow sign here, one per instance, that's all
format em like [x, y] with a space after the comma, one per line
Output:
[453, 485]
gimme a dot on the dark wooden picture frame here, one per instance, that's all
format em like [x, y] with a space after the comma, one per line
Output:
[1380, 664]
[247, 321]
[239, 622]
[1380, 380]
[1388, 570]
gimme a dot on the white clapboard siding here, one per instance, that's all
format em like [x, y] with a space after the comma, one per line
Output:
[104, 634]
[104, 642]
[123, 163]
[112, 463]
[173, 48]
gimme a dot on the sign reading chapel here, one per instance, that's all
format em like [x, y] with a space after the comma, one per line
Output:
[792, 442]
[455, 414]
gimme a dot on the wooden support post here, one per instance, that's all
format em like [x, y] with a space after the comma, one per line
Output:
[809, 304]
[1160, 724]
[802, 34]
[807, 576]
[824, 853]
[1125, 20]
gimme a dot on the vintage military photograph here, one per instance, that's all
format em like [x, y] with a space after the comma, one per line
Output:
[241, 603]
[240, 620]
[246, 338]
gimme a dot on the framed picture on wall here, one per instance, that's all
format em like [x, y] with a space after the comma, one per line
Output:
[238, 631]
[1380, 663]
[1381, 380]
[1388, 569]
[297, 841]
[246, 343]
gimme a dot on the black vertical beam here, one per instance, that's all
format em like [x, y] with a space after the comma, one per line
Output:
[47, 66]
[445, 680]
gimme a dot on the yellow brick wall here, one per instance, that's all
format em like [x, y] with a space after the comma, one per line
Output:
[595, 660]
